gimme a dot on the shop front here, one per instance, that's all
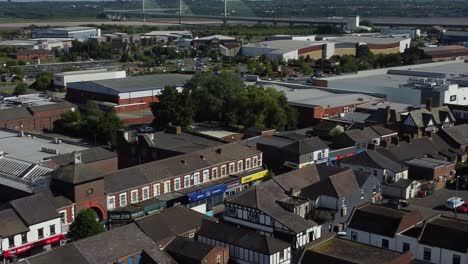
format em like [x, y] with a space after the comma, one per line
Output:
[125, 215]
[41, 244]
[210, 194]
[253, 178]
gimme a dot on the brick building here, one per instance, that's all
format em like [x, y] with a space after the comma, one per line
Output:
[33, 117]
[35, 54]
[125, 94]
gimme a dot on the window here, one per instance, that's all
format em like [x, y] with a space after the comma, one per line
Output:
[40, 233]
[63, 217]
[247, 164]
[134, 196]
[231, 168]
[240, 166]
[427, 254]
[52, 229]
[187, 181]
[374, 189]
[156, 189]
[362, 194]
[123, 199]
[385, 243]
[146, 193]
[223, 170]
[354, 235]
[167, 186]
[11, 242]
[110, 204]
[177, 184]
[218, 258]
[255, 161]
[259, 161]
[456, 259]
[206, 175]
[24, 238]
[253, 216]
[406, 247]
[196, 178]
[214, 173]
[232, 211]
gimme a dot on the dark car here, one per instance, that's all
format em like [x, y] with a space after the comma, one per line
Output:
[145, 129]
[398, 203]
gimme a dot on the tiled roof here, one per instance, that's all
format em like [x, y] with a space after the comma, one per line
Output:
[11, 224]
[335, 182]
[242, 237]
[373, 159]
[383, 220]
[365, 134]
[186, 250]
[305, 146]
[265, 197]
[34, 209]
[421, 117]
[87, 156]
[458, 133]
[77, 173]
[171, 222]
[175, 166]
[447, 233]
[405, 150]
[14, 114]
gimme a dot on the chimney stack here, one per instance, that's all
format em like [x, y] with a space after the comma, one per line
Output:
[183, 162]
[202, 157]
[77, 158]
[387, 114]
[171, 129]
[429, 104]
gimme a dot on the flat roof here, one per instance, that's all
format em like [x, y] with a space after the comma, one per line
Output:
[72, 28]
[28, 148]
[85, 72]
[18, 42]
[379, 82]
[367, 39]
[133, 84]
[335, 100]
[399, 107]
[297, 94]
[428, 162]
[220, 37]
[284, 45]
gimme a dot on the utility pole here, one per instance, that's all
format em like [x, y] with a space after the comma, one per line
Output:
[180, 11]
[225, 9]
[143, 10]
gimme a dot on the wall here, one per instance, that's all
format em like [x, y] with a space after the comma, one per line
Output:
[372, 239]
[32, 235]
[61, 80]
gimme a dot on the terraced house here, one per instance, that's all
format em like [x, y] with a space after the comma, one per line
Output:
[167, 177]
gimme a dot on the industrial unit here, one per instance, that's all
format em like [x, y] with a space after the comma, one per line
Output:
[63, 78]
[79, 33]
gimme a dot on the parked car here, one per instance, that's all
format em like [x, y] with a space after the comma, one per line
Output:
[145, 129]
[463, 208]
[454, 202]
[398, 203]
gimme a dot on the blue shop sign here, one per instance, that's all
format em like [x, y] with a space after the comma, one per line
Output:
[206, 193]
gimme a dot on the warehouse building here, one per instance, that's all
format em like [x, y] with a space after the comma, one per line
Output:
[79, 33]
[124, 94]
[288, 49]
[63, 78]
[377, 44]
[454, 37]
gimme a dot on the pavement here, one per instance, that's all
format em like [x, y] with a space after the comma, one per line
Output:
[435, 203]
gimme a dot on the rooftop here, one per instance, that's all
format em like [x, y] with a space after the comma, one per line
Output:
[284, 45]
[32, 148]
[428, 162]
[220, 37]
[132, 84]
[366, 39]
[346, 251]
[458, 133]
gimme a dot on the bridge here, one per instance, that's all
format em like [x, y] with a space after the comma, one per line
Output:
[338, 21]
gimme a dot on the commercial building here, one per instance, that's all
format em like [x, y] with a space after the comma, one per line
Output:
[168, 36]
[288, 49]
[444, 53]
[290, 37]
[29, 225]
[63, 78]
[79, 33]
[124, 94]
[454, 37]
[31, 112]
[381, 44]
[214, 41]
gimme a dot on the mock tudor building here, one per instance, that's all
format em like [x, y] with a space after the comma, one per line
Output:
[167, 176]
[422, 122]
[268, 209]
[245, 246]
[361, 138]
[29, 225]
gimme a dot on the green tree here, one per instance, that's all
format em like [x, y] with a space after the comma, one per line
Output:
[305, 68]
[21, 88]
[173, 108]
[44, 81]
[85, 225]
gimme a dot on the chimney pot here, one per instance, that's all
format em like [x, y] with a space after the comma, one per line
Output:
[429, 104]
[77, 158]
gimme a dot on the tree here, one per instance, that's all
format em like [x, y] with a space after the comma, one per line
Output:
[173, 108]
[44, 81]
[21, 88]
[336, 131]
[85, 225]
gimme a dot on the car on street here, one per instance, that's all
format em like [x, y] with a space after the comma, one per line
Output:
[463, 208]
[398, 203]
[145, 129]
[454, 202]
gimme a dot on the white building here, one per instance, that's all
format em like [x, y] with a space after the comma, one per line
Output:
[62, 79]
[438, 240]
[245, 246]
[259, 208]
[31, 224]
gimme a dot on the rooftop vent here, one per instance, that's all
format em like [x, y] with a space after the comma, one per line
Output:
[183, 161]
